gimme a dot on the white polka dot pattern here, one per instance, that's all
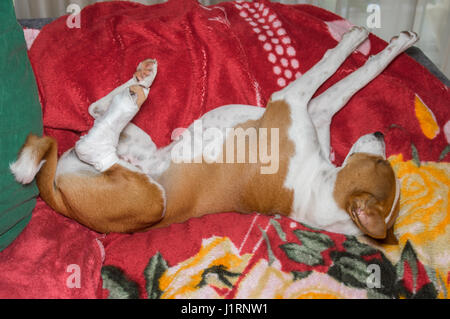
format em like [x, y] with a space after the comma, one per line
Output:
[274, 40]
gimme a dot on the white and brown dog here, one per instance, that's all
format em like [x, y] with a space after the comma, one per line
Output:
[116, 180]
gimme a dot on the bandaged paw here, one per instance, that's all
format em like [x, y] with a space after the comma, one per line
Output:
[146, 72]
[98, 147]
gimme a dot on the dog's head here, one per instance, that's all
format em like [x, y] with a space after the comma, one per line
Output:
[366, 186]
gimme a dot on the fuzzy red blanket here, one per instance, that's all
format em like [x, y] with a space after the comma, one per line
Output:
[207, 57]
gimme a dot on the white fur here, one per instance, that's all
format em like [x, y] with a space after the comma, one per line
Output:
[323, 107]
[368, 144]
[25, 168]
[69, 163]
[220, 119]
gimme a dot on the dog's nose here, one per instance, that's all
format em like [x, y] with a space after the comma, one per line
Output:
[378, 135]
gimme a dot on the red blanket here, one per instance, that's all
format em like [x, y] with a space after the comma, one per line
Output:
[207, 57]
[212, 56]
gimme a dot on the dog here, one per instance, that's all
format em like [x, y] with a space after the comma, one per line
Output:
[116, 180]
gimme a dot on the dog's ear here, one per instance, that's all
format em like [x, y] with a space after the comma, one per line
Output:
[366, 212]
[390, 238]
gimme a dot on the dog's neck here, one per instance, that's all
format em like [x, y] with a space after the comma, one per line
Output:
[310, 175]
[314, 201]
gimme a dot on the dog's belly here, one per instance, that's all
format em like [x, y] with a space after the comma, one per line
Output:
[201, 142]
[203, 139]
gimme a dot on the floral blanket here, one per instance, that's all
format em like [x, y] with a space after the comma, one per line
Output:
[275, 257]
[237, 52]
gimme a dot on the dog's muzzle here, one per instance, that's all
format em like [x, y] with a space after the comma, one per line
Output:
[372, 143]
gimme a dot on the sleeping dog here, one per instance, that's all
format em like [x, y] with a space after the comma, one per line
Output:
[116, 180]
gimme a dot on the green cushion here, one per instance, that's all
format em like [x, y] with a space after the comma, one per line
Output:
[20, 114]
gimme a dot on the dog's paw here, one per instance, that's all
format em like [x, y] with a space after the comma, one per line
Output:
[405, 39]
[357, 34]
[146, 72]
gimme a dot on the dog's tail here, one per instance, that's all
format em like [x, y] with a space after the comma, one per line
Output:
[38, 158]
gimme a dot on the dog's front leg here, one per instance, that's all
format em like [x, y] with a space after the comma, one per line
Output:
[326, 105]
[303, 88]
[99, 147]
[99, 107]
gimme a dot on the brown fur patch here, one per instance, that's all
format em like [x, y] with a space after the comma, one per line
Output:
[118, 200]
[194, 189]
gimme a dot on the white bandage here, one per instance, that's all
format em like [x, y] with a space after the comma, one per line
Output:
[147, 81]
[98, 147]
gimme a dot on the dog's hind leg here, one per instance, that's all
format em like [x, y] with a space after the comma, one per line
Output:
[323, 107]
[119, 199]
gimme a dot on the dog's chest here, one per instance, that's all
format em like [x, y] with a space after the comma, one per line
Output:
[310, 180]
